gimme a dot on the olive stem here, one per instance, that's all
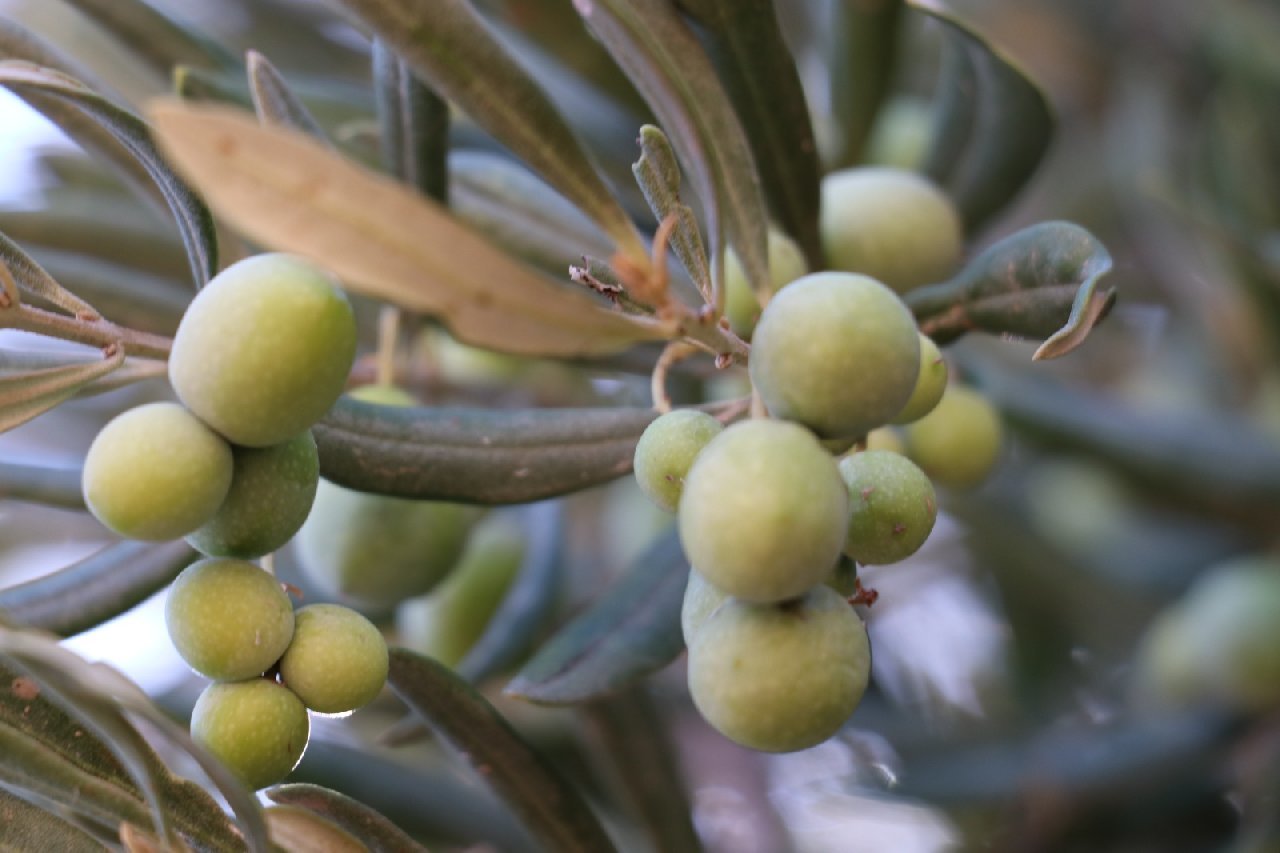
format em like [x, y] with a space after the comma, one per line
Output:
[675, 352]
[96, 332]
[388, 337]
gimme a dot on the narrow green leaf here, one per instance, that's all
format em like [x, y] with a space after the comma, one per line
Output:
[530, 600]
[548, 805]
[415, 125]
[662, 57]
[127, 296]
[58, 487]
[862, 49]
[273, 100]
[131, 135]
[28, 827]
[630, 632]
[487, 456]
[1042, 282]
[293, 194]
[334, 103]
[658, 175]
[99, 587]
[26, 395]
[763, 83]
[156, 38]
[32, 278]
[379, 834]
[990, 108]
[453, 49]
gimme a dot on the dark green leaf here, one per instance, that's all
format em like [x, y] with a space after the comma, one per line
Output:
[760, 75]
[132, 139]
[97, 588]
[657, 50]
[658, 176]
[58, 487]
[415, 125]
[378, 833]
[32, 279]
[455, 51]
[333, 103]
[631, 631]
[530, 600]
[26, 395]
[476, 455]
[28, 827]
[551, 808]
[630, 732]
[994, 124]
[273, 100]
[1041, 282]
[861, 51]
[154, 37]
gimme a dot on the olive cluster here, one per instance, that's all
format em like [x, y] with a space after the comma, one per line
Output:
[260, 354]
[766, 510]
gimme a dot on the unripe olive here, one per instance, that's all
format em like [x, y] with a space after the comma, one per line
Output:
[376, 550]
[448, 622]
[901, 134]
[891, 224]
[272, 489]
[700, 600]
[264, 349]
[837, 352]
[229, 619]
[156, 472]
[741, 305]
[886, 438]
[337, 661]
[892, 506]
[764, 511]
[257, 728]
[780, 677]
[666, 450]
[958, 443]
[930, 384]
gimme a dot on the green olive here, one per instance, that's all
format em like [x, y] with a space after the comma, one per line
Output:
[741, 305]
[892, 506]
[264, 349]
[930, 384]
[337, 661]
[958, 443]
[257, 728]
[666, 451]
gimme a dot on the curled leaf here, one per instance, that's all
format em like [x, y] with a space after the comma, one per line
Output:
[1043, 282]
[378, 834]
[294, 828]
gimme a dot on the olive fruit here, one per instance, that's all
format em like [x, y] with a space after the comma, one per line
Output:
[764, 511]
[780, 677]
[337, 661]
[264, 349]
[741, 305]
[892, 506]
[886, 438]
[958, 443]
[700, 600]
[837, 352]
[272, 489]
[930, 384]
[901, 134]
[448, 622]
[666, 451]
[229, 619]
[891, 224]
[257, 728]
[156, 472]
[377, 550]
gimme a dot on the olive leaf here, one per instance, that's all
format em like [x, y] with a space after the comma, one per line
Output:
[484, 456]
[378, 834]
[29, 827]
[26, 395]
[993, 123]
[273, 100]
[662, 57]
[745, 42]
[40, 484]
[154, 37]
[129, 139]
[30, 277]
[453, 49]
[549, 806]
[82, 230]
[333, 103]
[861, 51]
[1042, 282]
[294, 194]
[658, 175]
[293, 828]
[414, 124]
[129, 297]
[103, 585]
[628, 633]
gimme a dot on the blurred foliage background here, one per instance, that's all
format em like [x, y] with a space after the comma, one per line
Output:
[1001, 716]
